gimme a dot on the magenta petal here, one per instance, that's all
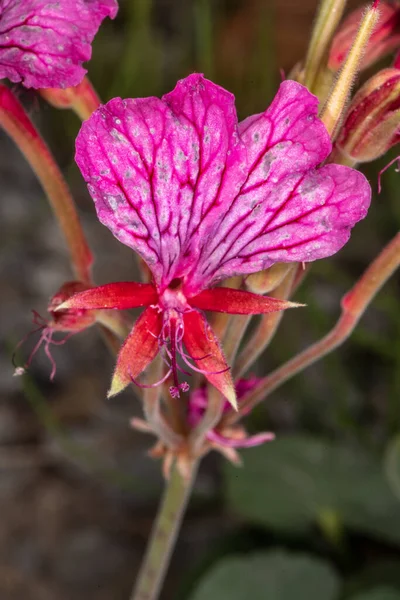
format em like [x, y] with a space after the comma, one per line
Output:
[43, 43]
[202, 198]
[287, 210]
[160, 171]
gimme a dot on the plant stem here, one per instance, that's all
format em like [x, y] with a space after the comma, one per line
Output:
[82, 99]
[329, 14]
[265, 330]
[19, 127]
[354, 305]
[164, 534]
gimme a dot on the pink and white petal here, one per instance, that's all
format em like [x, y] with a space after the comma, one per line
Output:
[44, 43]
[287, 138]
[284, 145]
[300, 219]
[160, 171]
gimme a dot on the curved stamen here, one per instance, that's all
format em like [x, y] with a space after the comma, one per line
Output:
[203, 371]
[150, 385]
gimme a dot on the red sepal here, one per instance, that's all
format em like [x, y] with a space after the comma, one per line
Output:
[238, 302]
[138, 350]
[120, 295]
[205, 350]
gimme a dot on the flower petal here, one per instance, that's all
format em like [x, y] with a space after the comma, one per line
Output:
[201, 198]
[206, 352]
[286, 211]
[44, 43]
[121, 295]
[238, 302]
[248, 442]
[138, 350]
[160, 171]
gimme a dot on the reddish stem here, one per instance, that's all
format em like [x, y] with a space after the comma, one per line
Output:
[354, 305]
[82, 99]
[20, 128]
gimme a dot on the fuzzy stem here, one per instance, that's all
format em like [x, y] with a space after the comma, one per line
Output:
[333, 110]
[354, 305]
[329, 14]
[19, 127]
[164, 534]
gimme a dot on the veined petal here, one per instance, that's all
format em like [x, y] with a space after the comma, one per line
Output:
[138, 350]
[206, 352]
[238, 302]
[121, 295]
[201, 198]
[160, 171]
[44, 43]
[286, 211]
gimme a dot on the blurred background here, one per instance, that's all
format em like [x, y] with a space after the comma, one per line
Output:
[321, 506]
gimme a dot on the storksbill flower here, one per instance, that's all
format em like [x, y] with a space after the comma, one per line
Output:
[43, 43]
[201, 198]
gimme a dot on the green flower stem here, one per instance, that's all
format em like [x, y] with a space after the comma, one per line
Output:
[329, 14]
[163, 537]
[354, 305]
[16, 123]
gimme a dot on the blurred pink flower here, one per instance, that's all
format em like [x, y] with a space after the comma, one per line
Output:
[43, 43]
[201, 198]
[229, 437]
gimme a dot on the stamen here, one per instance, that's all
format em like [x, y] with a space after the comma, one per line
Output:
[150, 385]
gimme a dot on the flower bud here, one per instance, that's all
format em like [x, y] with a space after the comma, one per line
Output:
[69, 319]
[372, 122]
[69, 322]
[384, 40]
[269, 279]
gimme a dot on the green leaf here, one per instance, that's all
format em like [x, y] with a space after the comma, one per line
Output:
[295, 482]
[270, 575]
[382, 593]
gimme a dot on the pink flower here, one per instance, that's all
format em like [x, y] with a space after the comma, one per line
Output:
[229, 438]
[201, 198]
[43, 43]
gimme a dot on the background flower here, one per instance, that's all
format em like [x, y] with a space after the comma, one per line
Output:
[44, 43]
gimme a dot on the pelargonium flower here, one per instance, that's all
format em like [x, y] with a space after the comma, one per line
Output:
[44, 43]
[201, 197]
[230, 438]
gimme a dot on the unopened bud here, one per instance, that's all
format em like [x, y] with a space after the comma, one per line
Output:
[69, 319]
[269, 279]
[372, 122]
[384, 39]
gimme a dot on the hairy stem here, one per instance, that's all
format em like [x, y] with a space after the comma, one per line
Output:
[329, 14]
[164, 534]
[354, 305]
